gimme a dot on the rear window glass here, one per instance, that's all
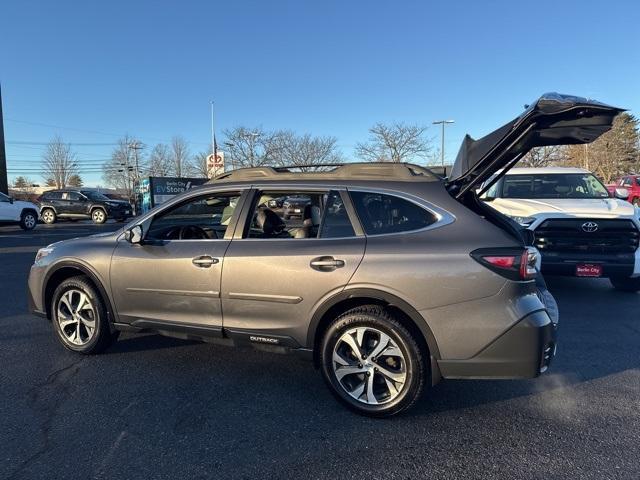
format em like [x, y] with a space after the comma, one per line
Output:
[381, 213]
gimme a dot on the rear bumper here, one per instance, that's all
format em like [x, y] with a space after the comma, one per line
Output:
[523, 351]
[613, 265]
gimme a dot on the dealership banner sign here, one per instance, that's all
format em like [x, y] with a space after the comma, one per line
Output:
[157, 190]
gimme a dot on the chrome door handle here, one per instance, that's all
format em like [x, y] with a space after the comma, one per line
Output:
[204, 261]
[326, 263]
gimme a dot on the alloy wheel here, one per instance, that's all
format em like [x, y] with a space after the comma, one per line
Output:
[98, 216]
[76, 317]
[47, 216]
[29, 221]
[369, 365]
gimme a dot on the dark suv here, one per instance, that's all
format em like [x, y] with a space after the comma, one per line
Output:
[79, 204]
[395, 279]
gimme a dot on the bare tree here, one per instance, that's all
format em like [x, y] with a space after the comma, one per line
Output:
[543, 156]
[159, 162]
[300, 150]
[179, 156]
[119, 172]
[251, 147]
[614, 154]
[59, 162]
[198, 166]
[396, 142]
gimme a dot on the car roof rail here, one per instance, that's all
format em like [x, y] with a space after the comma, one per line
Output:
[363, 171]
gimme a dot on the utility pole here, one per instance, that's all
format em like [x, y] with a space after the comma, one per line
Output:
[135, 146]
[4, 182]
[443, 123]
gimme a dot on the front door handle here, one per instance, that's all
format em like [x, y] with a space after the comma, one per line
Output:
[204, 261]
[326, 264]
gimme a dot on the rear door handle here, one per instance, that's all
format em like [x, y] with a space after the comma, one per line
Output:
[204, 261]
[326, 264]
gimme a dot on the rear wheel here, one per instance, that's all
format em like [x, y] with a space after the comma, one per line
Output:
[48, 216]
[28, 220]
[626, 284]
[80, 318]
[372, 363]
[99, 216]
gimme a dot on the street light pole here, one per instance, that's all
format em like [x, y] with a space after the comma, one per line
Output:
[4, 184]
[443, 123]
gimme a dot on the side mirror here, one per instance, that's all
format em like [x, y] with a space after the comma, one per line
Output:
[134, 235]
[621, 193]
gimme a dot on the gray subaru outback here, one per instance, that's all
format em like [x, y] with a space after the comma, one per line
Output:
[392, 279]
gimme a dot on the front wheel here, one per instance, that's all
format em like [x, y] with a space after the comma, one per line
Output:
[98, 216]
[626, 284]
[372, 363]
[28, 220]
[79, 317]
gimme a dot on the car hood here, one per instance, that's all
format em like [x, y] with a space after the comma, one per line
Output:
[554, 119]
[23, 204]
[582, 207]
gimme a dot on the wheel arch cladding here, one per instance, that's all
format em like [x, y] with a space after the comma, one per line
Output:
[68, 270]
[349, 299]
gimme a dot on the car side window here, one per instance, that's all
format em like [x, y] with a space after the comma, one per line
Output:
[205, 217]
[74, 196]
[336, 222]
[52, 196]
[293, 214]
[297, 214]
[382, 213]
[626, 182]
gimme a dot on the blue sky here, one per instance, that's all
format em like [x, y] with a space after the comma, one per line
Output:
[150, 68]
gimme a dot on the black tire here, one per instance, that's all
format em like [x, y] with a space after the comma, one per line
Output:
[626, 284]
[48, 216]
[28, 220]
[415, 365]
[102, 336]
[98, 216]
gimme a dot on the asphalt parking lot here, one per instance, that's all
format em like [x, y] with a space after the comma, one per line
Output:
[154, 407]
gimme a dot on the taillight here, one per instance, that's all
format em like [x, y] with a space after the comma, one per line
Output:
[512, 263]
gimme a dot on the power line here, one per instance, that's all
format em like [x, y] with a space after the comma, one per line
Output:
[77, 144]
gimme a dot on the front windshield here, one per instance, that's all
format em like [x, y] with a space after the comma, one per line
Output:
[93, 195]
[553, 185]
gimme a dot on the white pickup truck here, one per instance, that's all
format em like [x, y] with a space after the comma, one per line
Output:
[579, 229]
[18, 212]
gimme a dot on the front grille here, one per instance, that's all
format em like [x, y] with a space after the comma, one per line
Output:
[568, 235]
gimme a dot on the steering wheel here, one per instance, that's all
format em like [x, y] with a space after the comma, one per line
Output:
[186, 232]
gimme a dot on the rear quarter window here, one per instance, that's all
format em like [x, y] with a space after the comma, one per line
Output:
[385, 213]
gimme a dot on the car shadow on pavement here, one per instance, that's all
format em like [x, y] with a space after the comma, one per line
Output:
[141, 342]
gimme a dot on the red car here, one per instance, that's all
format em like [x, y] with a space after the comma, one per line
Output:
[632, 184]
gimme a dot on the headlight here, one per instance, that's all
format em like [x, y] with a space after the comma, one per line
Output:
[524, 221]
[43, 252]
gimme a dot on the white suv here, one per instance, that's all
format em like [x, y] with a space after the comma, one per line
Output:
[16, 211]
[579, 229]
